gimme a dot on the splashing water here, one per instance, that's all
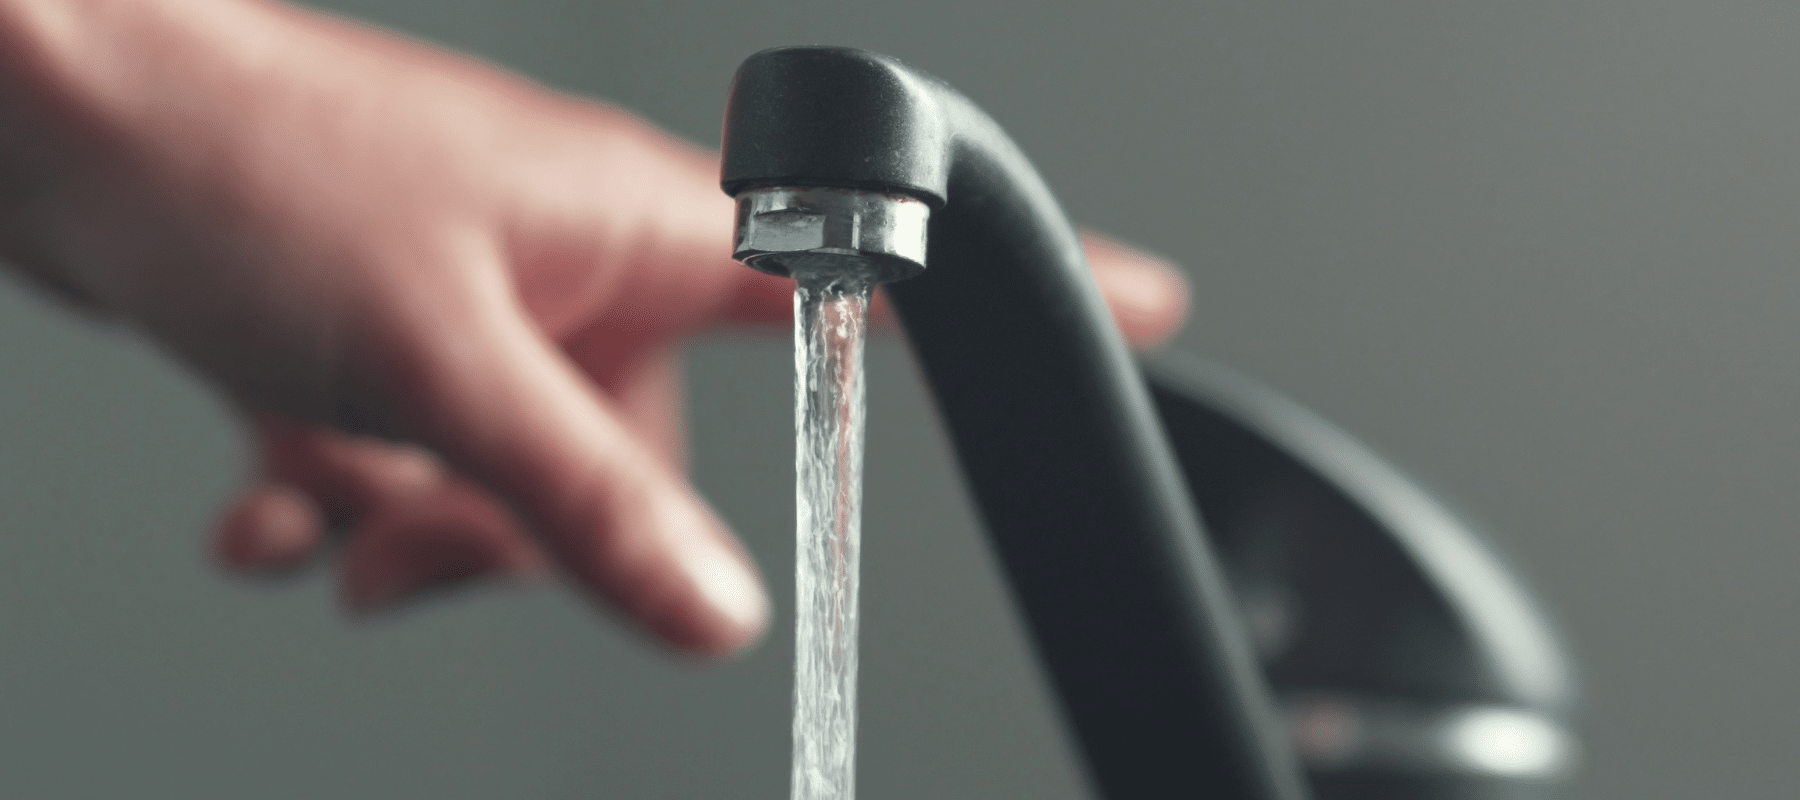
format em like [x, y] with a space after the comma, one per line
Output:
[830, 310]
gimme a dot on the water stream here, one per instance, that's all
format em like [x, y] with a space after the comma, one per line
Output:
[830, 310]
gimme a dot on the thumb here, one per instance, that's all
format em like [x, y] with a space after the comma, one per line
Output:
[502, 405]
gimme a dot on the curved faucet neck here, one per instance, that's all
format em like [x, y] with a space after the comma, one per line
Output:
[1082, 497]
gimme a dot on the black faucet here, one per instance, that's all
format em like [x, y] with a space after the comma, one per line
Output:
[841, 154]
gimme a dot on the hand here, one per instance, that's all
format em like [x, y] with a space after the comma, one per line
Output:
[447, 300]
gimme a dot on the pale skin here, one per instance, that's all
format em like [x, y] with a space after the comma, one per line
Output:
[447, 301]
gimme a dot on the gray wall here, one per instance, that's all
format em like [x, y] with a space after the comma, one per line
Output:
[1539, 253]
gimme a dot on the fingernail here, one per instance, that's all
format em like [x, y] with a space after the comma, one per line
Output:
[728, 586]
[273, 529]
[1143, 285]
[718, 573]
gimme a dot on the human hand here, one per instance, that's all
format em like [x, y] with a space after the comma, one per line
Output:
[447, 300]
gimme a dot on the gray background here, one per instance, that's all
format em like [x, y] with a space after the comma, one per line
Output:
[1539, 253]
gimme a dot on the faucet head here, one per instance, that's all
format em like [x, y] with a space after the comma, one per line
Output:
[784, 230]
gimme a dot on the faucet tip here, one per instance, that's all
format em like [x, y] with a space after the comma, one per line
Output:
[785, 230]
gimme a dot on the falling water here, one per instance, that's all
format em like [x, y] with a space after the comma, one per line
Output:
[830, 308]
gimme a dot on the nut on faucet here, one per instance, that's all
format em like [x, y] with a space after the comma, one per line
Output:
[783, 230]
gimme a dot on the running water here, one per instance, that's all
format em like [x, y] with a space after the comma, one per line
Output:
[830, 308]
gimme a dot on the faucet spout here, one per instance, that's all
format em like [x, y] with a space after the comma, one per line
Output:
[1081, 495]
